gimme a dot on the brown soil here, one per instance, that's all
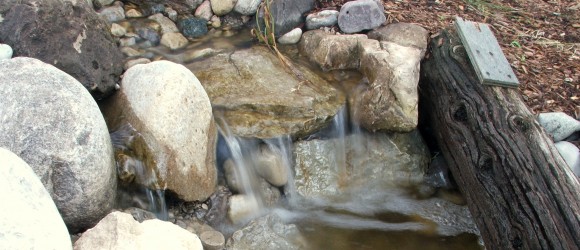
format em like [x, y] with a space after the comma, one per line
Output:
[541, 40]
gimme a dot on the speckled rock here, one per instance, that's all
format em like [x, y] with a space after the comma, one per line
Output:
[193, 27]
[169, 108]
[359, 15]
[558, 124]
[70, 149]
[41, 226]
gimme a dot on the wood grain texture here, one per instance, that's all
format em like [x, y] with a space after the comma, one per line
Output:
[519, 190]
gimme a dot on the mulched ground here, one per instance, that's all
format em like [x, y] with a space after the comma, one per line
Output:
[541, 40]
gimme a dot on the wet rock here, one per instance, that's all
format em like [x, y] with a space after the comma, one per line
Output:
[571, 155]
[149, 34]
[5, 51]
[404, 34]
[268, 232]
[139, 214]
[270, 195]
[118, 30]
[120, 231]
[233, 21]
[289, 14]
[258, 100]
[216, 22]
[66, 142]
[134, 62]
[127, 41]
[270, 165]
[68, 35]
[193, 27]
[247, 7]
[325, 167]
[437, 174]
[171, 14]
[131, 52]
[330, 51]
[559, 125]
[113, 13]
[169, 108]
[356, 16]
[133, 13]
[39, 225]
[325, 18]
[220, 203]
[222, 7]
[167, 26]
[173, 40]
[389, 102]
[102, 3]
[212, 240]
[242, 208]
[291, 37]
[232, 176]
[204, 11]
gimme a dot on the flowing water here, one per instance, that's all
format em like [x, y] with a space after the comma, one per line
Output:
[384, 218]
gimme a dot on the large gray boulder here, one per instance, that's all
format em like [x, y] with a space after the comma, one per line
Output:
[29, 218]
[171, 111]
[359, 15]
[268, 232]
[328, 167]
[258, 97]
[120, 231]
[67, 34]
[51, 121]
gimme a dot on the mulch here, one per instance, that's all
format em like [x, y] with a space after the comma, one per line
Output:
[541, 40]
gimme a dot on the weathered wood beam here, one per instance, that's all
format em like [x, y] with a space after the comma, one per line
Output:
[518, 188]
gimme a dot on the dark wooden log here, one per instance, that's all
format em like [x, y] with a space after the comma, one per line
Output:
[517, 186]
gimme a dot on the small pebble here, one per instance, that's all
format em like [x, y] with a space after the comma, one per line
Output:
[133, 13]
[118, 30]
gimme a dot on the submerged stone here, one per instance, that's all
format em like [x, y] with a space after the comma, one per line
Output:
[193, 27]
[258, 97]
[327, 167]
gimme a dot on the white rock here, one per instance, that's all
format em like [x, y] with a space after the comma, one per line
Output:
[29, 218]
[291, 37]
[52, 122]
[134, 62]
[173, 40]
[133, 13]
[118, 30]
[242, 208]
[167, 26]
[222, 7]
[121, 232]
[270, 166]
[5, 51]
[166, 103]
[559, 124]
[571, 155]
[247, 7]
[204, 10]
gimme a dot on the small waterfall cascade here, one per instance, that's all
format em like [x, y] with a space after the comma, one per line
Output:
[140, 184]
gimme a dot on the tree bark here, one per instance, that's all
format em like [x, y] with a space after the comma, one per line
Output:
[521, 193]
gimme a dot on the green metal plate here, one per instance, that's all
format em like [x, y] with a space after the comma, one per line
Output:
[486, 56]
